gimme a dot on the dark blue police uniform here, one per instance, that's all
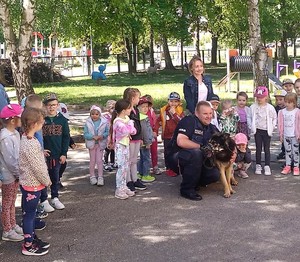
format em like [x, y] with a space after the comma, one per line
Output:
[191, 161]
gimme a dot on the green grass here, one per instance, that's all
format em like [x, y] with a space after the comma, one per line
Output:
[85, 92]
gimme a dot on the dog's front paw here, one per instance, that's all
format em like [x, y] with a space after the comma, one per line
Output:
[227, 194]
[232, 191]
[234, 182]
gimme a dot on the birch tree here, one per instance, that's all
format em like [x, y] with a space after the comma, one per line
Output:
[258, 51]
[17, 33]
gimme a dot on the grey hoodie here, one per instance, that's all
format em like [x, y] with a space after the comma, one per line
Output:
[9, 155]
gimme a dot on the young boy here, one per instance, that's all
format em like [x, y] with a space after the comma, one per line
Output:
[168, 119]
[288, 85]
[279, 95]
[56, 136]
[147, 137]
[215, 102]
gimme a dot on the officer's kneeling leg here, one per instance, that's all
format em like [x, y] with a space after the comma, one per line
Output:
[190, 162]
[209, 175]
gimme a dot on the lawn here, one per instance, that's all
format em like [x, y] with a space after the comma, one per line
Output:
[85, 92]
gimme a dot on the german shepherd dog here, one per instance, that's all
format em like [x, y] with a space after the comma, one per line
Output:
[221, 152]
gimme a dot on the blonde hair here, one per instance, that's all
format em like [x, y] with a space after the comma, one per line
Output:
[292, 98]
[192, 62]
[130, 93]
[30, 116]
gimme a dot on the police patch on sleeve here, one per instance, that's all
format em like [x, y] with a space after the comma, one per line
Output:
[182, 130]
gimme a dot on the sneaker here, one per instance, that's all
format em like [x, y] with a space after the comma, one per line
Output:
[57, 204]
[139, 175]
[12, 235]
[281, 155]
[286, 170]
[258, 169]
[33, 250]
[41, 214]
[130, 185]
[100, 181]
[242, 174]
[39, 224]
[139, 185]
[93, 180]
[40, 243]
[18, 230]
[267, 171]
[114, 165]
[60, 185]
[156, 171]
[148, 179]
[170, 172]
[296, 171]
[107, 168]
[128, 192]
[121, 194]
[47, 207]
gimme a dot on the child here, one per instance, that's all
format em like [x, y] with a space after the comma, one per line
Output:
[64, 111]
[264, 120]
[9, 160]
[288, 85]
[133, 96]
[4, 99]
[215, 102]
[229, 118]
[168, 119]
[279, 95]
[120, 131]
[243, 158]
[147, 136]
[95, 134]
[56, 135]
[109, 153]
[154, 146]
[297, 90]
[244, 123]
[33, 178]
[289, 132]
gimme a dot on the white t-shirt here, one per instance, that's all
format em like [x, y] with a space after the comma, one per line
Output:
[289, 118]
[202, 92]
[261, 118]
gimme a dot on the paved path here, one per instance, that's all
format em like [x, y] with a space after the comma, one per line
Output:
[259, 223]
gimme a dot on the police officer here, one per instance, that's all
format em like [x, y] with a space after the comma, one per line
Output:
[192, 133]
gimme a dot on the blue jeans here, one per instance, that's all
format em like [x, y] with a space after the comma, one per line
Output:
[30, 202]
[144, 162]
[53, 170]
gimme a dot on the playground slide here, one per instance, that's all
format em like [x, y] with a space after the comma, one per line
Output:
[275, 81]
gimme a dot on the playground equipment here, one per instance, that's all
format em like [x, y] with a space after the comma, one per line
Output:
[237, 64]
[35, 51]
[296, 70]
[99, 75]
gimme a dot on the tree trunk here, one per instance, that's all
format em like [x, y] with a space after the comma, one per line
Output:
[214, 50]
[134, 52]
[181, 54]
[258, 51]
[151, 47]
[294, 47]
[19, 47]
[284, 53]
[129, 54]
[198, 37]
[168, 60]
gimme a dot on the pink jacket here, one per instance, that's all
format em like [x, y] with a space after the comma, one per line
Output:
[281, 123]
[122, 129]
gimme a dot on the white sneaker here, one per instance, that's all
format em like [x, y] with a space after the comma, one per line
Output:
[93, 180]
[12, 235]
[121, 194]
[128, 192]
[100, 181]
[258, 170]
[18, 230]
[47, 207]
[57, 204]
[267, 171]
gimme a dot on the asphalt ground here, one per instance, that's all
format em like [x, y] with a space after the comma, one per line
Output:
[258, 223]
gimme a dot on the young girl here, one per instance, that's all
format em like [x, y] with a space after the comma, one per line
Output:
[109, 153]
[289, 132]
[264, 120]
[33, 178]
[9, 159]
[243, 156]
[121, 129]
[243, 125]
[229, 118]
[95, 133]
[133, 96]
